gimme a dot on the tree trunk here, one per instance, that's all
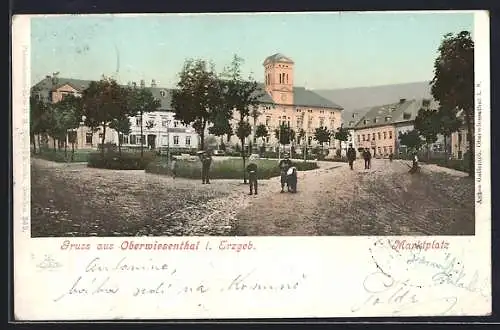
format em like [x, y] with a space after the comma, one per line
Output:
[142, 141]
[243, 156]
[428, 152]
[34, 143]
[445, 150]
[72, 151]
[120, 144]
[470, 135]
[103, 138]
[54, 143]
[65, 149]
[39, 144]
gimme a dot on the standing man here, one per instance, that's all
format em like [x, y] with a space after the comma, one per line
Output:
[206, 161]
[284, 165]
[351, 155]
[252, 177]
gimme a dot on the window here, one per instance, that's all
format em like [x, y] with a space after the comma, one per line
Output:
[124, 139]
[379, 150]
[164, 123]
[390, 150]
[267, 139]
[88, 138]
[385, 150]
[188, 140]
[364, 138]
[387, 119]
[358, 138]
[163, 93]
[299, 123]
[176, 123]
[332, 123]
[164, 140]
[368, 137]
[379, 135]
[287, 78]
[142, 139]
[385, 135]
[100, 135]
[176, 140]
[133, 139]
[138, 121]
[321, 122]
[309, 140]
[373, 136]
[268, 120]
[390, 134]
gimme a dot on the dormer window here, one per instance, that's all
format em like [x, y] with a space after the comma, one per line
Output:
[406, 115]
[387, 119]
[163, 93]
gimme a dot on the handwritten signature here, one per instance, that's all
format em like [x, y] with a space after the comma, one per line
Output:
[49, 263]
[399, 296]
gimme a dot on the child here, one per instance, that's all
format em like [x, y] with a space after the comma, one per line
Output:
[252, 177]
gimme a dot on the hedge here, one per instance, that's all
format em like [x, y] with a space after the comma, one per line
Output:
[225, 169]
[124, 161]
[80, 156]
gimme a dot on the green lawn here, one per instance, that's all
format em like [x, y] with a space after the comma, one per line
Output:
[80, 155]
[225, 169]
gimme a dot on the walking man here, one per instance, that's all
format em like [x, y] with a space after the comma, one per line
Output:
[365, 157]
[284, 165]
[252, 177]
[351, 155]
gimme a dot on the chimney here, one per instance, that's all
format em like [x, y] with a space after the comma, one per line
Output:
[153, 83]
[401, 101]
[143, 84]
[134, 84]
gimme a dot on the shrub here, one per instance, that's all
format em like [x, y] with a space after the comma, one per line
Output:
[226, 169]
[124, 161]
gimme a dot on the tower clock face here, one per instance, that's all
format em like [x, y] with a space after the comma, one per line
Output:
[283, 97]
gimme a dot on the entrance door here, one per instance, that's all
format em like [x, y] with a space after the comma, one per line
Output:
[151, 141]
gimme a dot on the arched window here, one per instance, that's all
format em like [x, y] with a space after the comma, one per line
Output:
[287, 78]
[280, 77]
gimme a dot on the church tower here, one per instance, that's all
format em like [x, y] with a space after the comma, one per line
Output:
[278, 79]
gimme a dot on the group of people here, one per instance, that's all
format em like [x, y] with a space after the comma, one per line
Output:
[351, 157]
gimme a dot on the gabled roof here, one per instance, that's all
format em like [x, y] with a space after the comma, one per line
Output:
[278, 57]
[305, 97]
[396, 113]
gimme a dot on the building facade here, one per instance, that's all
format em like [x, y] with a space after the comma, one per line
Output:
[379, 129]
[280, 102]
[284, 103]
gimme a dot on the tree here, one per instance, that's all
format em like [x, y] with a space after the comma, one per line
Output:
[122, 126]
[427, 124]
[38, 113]
[285, 134]
[102, 102]
[242, 95]
[261, 132]
[449, 123]
[198, 97]
[342, 135]
[68, 114]
[255, 113]
[411, 140]
[322, 135]
[453, 82]
[140, 101]
[221, 125]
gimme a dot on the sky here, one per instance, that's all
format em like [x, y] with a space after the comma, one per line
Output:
[330, 50]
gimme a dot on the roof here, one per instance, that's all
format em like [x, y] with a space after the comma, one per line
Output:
[403, 111]
[278, 57]
[302, 96]
[305, 97]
